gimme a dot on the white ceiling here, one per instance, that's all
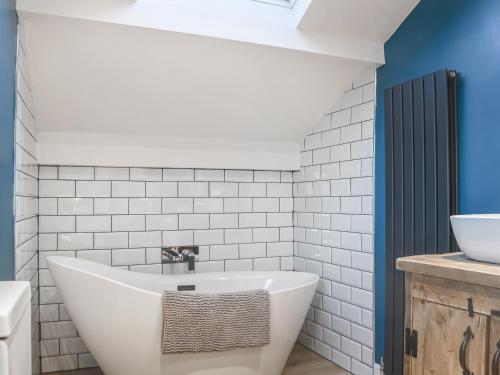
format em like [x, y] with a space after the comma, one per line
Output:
[120, 69]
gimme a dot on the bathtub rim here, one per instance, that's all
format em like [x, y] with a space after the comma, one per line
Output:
[61, 261]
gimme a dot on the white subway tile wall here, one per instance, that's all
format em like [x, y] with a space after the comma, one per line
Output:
[333, 229]
[26, 190]
[242, 220]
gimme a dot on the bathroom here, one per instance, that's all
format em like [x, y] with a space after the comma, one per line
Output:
[258, 187]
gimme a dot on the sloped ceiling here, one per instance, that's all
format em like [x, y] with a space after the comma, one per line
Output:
[139, 93]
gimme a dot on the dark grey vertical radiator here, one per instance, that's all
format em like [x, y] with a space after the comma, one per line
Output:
[421, 187]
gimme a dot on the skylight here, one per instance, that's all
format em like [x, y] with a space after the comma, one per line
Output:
[281, 3]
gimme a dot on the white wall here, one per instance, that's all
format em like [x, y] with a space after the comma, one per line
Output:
[333, 229]
[26, 203]
[242, 220]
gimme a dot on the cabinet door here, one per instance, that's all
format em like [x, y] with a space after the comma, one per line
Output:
[442, 339]
[494, 360]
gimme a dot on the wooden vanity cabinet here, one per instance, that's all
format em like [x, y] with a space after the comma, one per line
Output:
[452, 315]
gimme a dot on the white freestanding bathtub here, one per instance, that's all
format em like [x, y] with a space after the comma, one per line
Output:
[118, 313]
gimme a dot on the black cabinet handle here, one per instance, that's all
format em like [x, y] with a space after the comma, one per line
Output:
[468, 336]
[496, 359]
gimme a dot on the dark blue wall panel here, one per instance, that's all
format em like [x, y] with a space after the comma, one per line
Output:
[8, 51]
[463, 35]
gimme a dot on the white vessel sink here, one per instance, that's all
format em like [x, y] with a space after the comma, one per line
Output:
[478, 236]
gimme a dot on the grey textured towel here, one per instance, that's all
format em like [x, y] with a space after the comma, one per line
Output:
[196, 322]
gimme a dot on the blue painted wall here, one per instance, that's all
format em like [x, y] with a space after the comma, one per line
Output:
[457, 34]
[8, 52]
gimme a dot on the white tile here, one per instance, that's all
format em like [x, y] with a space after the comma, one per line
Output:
[362, 261]
[362, 149]
[148, 206]
[57, 330]
[279, 189]
[266, 234]
[209, 175]
[76, 173]
[276, 249]
[363, 112]
[47, 206]
[110, 240]
[128, 257]
[236, 236]
[286, 176]
[193, 189]
[208, 205]
[54, 224]
[340, 152]
[99, 256]
[223, 189]
[341, 118]
[161, 189]
[72, 345]
[362, 298]
[238, 176]
[286, 204]
[266, 205]
[178, 238]
[193, 221]
[250, 220]
[99, 189]
[222, 252]
[350, 205]
[350, 133]
[321, 188]
[47, 173]
[162, 222]
[128, 189]
[362, 223]
[266, 264]
[367, 129]
[128, 223]
[255, 250]
[330, 138]
[330, 171]
[282, 219]
[104, 173]
[252, 189]
[232, 205]
[178, 175]
[61, 363]
[352, 98]
[145, 239]
[267, 176]
[223, 221]
[312, 141]
[350, 347]
[145, 174]
[55, 188]
[110, 206]
[209, 237]
[306, 158]
[362, 186]
[351, 241]
[75, 241]
[75, 206]
[321, 155]
[312, 173]
[177, 205]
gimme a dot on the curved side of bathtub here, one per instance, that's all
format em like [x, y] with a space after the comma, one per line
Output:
[121, 325]
[288, 311]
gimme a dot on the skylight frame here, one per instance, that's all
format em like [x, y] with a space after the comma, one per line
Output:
[280, 3]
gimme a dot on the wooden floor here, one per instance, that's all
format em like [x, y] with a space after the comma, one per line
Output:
[301, 362]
